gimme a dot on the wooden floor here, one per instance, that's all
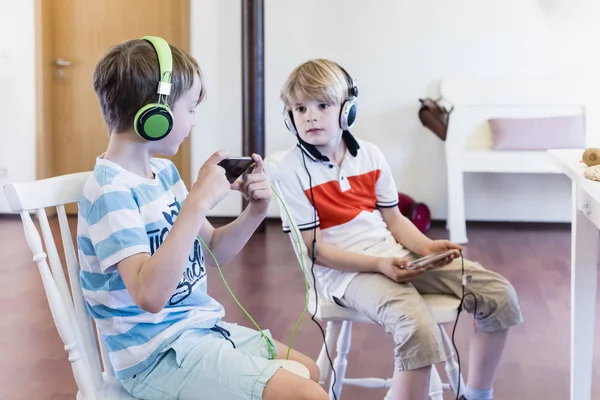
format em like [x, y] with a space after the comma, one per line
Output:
[268, 282]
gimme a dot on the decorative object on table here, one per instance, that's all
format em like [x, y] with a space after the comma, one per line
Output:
[417, 212]
[591, 158]
[435, 115]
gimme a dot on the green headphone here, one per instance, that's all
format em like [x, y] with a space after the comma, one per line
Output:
[154, 121]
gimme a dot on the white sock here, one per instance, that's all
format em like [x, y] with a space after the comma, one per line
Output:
[479, 394]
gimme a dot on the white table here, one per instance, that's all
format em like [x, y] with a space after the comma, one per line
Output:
[585, 247]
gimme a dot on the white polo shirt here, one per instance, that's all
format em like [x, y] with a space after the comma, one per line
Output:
[346, 199]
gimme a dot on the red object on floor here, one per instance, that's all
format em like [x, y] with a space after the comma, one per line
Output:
[418, 213]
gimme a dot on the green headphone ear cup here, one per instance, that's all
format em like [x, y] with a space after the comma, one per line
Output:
[153, 121]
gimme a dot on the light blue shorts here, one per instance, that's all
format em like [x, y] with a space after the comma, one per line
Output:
[229, 365]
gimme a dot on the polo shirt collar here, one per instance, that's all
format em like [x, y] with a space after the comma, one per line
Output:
[312, 152]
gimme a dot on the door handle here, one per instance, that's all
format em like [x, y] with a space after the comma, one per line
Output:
[63, 63]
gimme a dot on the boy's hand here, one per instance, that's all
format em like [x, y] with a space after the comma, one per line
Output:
[395, 268]
[438, 246]
[255, 187]
[212, 185]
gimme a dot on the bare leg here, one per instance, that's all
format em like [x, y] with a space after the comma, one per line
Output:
[299, 357]
[484, 356]
[286, 385]
[411, 385]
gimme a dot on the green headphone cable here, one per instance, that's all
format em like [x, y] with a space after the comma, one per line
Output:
[269, 344]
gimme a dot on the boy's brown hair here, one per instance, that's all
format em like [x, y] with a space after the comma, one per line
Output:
[126, 79]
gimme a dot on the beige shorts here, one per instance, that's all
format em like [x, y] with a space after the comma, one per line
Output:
[400, 309]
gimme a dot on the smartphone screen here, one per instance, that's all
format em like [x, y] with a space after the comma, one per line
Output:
[431, 258]
[235, 166]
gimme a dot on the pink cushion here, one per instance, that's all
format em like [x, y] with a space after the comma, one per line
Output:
[538, 133]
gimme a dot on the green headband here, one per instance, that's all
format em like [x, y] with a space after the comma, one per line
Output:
[165, 62]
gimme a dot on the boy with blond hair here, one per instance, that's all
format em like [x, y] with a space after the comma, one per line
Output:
[342, 196]
[141, 236]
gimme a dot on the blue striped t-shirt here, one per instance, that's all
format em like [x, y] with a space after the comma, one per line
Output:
[122, 214]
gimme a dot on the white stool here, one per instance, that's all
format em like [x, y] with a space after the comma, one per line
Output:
[338, 335]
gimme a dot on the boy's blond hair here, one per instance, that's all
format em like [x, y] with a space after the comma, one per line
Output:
[126, 79]
[316, 80]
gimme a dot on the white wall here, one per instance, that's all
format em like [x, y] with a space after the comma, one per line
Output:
[398, 50]
[17, 93]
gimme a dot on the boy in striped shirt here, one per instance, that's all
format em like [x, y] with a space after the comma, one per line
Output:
[141, 236]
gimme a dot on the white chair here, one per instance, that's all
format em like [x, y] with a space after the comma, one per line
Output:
[339, 320]
[68, 308]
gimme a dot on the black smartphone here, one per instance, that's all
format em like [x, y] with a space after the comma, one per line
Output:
[235, 166]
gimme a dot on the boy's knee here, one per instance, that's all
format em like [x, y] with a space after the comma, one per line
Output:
[508, 296]
[287, 385]
[503, 310]
[421, 333]
[418, 345]
[509, 308]
[315, 372]
[308, 390]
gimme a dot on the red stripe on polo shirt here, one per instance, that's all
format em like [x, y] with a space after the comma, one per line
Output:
[337, 207]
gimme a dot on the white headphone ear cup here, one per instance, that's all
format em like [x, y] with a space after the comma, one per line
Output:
[347, 114]
[289, 121]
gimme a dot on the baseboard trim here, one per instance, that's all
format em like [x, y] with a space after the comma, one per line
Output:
[220, 221]
[441, 223]
[10, 217]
